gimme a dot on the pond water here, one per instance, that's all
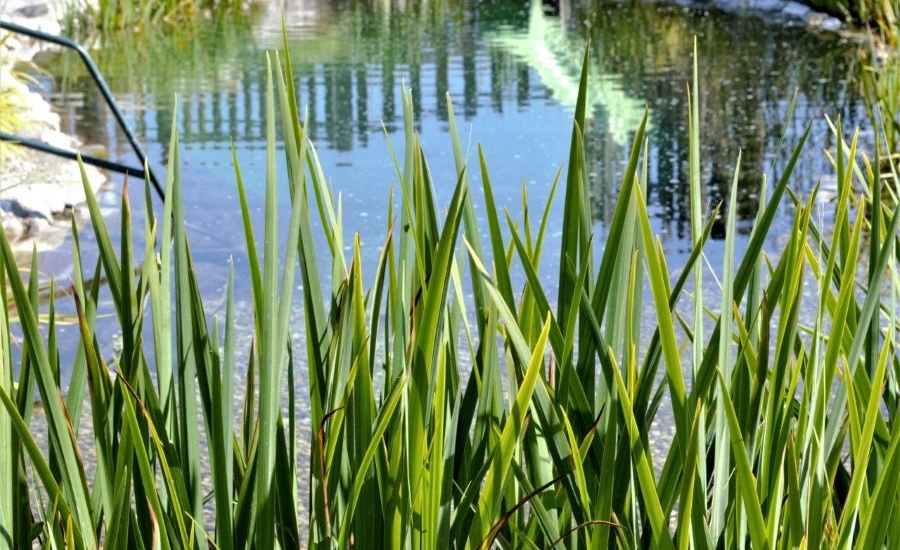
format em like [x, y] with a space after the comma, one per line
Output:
[510, 70]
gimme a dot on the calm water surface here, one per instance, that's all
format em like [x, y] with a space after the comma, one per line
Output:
[510, 71]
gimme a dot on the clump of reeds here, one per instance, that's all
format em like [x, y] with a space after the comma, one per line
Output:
[81, 16]
[511, 419]
[882, 15]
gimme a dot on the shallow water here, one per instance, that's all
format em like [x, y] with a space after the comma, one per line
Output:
[510, 70]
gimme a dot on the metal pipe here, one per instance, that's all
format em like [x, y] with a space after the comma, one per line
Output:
[73, 155]
[107, 95]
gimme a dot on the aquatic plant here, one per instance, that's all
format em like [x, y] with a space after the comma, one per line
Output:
[448, 409]
[881, 89]
[883, 15]
[82, 16]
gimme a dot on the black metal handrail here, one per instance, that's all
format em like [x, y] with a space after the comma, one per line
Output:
[107, 95]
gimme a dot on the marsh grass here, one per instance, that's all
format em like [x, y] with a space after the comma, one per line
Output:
[83, 16]
[882, 16]
[881, 88]
[511, 419]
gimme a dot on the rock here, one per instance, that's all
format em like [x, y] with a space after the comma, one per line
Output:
[34, 10]
[824, 22]
[766, 5]
[796, 10]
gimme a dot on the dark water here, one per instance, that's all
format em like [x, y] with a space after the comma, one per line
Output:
[511, 72]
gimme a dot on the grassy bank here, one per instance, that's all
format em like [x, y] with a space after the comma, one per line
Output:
[506, 417]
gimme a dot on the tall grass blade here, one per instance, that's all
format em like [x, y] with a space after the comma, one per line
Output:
[270, 350]
[61, 437]
[515, 425]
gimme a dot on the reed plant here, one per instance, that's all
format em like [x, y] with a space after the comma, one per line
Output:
[882, 15]
[881, 90]
[452, 406]
[106, 16]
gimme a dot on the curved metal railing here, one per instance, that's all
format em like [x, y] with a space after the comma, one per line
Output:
[110, 101]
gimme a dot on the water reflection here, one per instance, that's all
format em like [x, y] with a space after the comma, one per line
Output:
[512, 68]
[748, 74]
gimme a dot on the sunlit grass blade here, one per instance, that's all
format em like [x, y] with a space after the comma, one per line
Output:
[187, 349]
[35, 454]
[547, 417]
[575, 204]
[862, 451]
[658, 284]
[656, 518]
[387, 411]
[744, 473]
[270, 349]
[8, 444]
[747, 267]
[509, 437]
[722, 465]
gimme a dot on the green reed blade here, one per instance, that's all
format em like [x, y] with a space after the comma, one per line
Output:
[649, 495]
[579, 475]
[671, 356]
[172, 479]
[498, 248]
[101, 391]
[869, 305]
[696, 226]
[619, 228]
[8, 444]
[576, 200]
[287, 530]
[161, 291]
[692, 498]
[270, 350]
[509, 439]
[386, 413]
[407, 192]
[744, 274]
[129, 321]
[220, 429]
[377, 294]
[187, 348]
[470, 220]
[722, 465]
[746, 482]
[547, 417]
[120, 513]
[106, 251]
[362, 408]
[540, 521]
[654, 350]
[879, 515]
[862, 434]
[249, 241]
[42, 469]
[61, 438]
[569, 388]
[793, 520]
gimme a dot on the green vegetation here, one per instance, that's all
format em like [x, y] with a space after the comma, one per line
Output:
[881, 89]
[13, 103]
[881, 14]
[131, 15]
[510, 420]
